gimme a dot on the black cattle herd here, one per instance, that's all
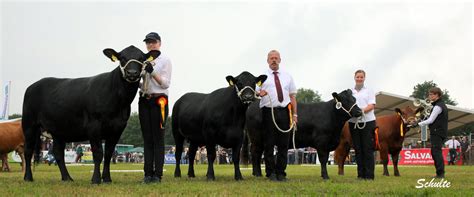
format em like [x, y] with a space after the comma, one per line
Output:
[97, 108]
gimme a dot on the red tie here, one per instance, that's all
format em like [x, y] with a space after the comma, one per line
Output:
[278, 87]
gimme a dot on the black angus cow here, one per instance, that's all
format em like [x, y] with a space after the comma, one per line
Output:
[319, 126]
[91, 108]
[215, 118]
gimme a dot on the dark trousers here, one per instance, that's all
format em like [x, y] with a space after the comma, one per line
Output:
[149, 112]
[273, 137]
[363, 141]
[437, 154]
[452, 156]
[465, 157]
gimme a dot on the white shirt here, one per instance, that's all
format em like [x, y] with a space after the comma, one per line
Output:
[452, 144]
[434, 114]
[364, 97]
[162, 67]
[287, 86]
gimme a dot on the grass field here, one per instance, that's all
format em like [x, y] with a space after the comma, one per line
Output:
[303, 181]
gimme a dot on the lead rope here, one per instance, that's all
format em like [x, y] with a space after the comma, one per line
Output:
[292, 126]
[146, 79]
[360, 119]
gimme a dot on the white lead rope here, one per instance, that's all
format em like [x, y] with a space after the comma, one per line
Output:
[292, 127]
[360, 119]
[146, 79]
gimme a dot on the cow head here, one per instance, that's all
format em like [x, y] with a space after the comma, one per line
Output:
[409, 116]
[131, 61]
[244, 85]
[347, 103]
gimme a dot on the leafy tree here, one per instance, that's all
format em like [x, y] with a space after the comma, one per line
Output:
[13, 116]
[133, 134]
[421, 91]
[307, 96]
[464, 130]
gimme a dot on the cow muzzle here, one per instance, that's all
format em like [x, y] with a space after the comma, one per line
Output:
[247, 97]
[131, 75]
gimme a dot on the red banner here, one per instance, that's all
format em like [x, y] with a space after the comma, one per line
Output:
[422, 156]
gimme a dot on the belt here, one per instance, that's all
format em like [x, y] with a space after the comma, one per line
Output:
[152, 95]
[274, 108]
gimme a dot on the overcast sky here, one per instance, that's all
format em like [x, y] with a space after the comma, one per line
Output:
[398, 43]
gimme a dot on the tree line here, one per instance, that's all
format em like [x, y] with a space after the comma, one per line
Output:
[132, 133]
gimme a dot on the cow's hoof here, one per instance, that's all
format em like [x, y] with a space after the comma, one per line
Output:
[397, 174]
[386, 174]
[239, 178]
[211, 178]
[28, 179]
[257, 174]
[107, 181]
[177, 174]
[95, 182]
[67, 179]
[191, 175]
[325, 178]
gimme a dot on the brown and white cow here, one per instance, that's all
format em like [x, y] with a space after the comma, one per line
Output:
[11, 139]
[392, 130]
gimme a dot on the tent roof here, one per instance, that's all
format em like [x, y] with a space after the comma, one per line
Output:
[136, 150]
[387, 102]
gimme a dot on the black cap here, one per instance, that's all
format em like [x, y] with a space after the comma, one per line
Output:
[152, 36]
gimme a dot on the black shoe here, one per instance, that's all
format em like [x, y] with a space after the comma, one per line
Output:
[157, 179]
[441, 176]
[281, 178]
[273, 177]
[148, 179]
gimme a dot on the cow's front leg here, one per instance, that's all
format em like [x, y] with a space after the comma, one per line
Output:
[395, 163]
[211, 156]
[97, 154]
[109, 150]
[236, 160]
[323, 158]
[384, 157]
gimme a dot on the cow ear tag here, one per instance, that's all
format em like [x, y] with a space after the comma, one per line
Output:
[338, 105]
[231, 83]
[149, 59]
[114, 58]
[259, 84]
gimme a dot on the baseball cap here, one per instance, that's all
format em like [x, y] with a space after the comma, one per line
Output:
[152, 36]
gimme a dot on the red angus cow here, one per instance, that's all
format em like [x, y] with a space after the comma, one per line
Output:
[11, 139]
[390, 138]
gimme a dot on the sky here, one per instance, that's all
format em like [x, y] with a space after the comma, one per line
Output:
[322, 43]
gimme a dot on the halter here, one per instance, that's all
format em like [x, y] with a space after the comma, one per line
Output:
[360, 119]
[122, 69]
[239, 93]
[339, 106]
[405, 121]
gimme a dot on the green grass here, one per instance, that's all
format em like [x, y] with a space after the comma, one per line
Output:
[303, 180]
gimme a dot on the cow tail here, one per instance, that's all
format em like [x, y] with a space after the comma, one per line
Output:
[245, 149]
[37, 149]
